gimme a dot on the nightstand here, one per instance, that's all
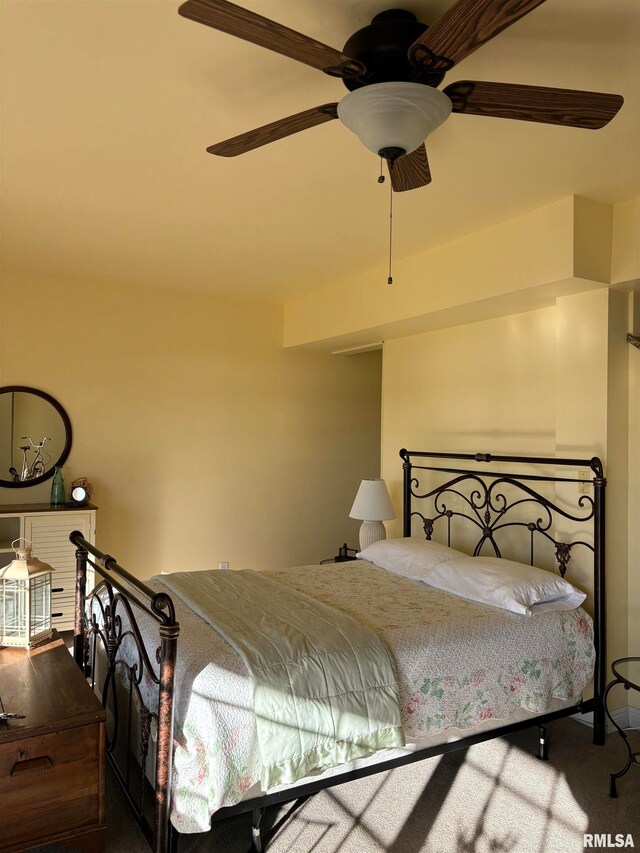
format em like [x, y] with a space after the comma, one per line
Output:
[627, 672]
[52, 761]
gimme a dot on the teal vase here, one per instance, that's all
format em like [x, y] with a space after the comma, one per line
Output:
[57, 488]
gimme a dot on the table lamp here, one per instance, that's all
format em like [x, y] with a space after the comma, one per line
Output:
[373, 506]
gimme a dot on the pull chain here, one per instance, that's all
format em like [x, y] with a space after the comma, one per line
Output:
[390, 279]
[381, 180]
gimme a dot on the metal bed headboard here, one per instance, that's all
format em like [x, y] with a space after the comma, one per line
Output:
[491, 501]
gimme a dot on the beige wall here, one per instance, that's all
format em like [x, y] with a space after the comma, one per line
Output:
[203, 438]
[625, 259]
[545, 382]
[592, 418]
[625, 269]
[488, 386]
[634, 508]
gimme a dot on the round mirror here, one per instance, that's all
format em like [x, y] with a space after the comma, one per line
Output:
[35, 436]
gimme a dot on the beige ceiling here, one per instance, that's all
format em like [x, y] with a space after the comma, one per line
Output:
[108, 106]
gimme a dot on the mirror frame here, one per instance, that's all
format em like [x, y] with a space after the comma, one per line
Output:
[17, 484]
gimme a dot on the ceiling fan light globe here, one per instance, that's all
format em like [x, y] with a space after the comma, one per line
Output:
[394, 115]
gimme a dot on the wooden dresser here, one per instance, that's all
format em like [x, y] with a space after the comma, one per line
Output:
[51, 762]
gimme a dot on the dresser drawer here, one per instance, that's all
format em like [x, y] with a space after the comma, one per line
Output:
[50, 784]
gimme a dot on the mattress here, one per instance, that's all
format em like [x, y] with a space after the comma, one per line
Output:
[461, 667]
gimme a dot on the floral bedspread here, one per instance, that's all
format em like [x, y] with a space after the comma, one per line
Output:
[457, 662]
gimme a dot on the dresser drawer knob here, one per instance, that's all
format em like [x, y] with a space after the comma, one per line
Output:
[31, 765]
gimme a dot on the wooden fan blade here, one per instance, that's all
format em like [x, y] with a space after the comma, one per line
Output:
[465, 27]
[534, 103]
[276, 130]
[232, 19]
[411, 171]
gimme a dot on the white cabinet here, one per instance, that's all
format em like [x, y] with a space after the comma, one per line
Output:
[49, 531]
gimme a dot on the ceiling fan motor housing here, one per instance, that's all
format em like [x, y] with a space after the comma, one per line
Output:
[383, 47]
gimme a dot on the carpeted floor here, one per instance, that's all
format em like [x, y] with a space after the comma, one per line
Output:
[495, 798]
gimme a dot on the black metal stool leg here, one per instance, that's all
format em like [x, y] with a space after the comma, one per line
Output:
[631, 756]
[543, 746]
[613, 791]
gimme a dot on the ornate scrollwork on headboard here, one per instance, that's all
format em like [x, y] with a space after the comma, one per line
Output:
[491, 502]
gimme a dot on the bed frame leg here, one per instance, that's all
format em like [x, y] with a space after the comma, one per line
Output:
[256, 837]
[543, 746]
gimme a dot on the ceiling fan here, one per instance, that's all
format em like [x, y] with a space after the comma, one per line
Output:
[392, 69]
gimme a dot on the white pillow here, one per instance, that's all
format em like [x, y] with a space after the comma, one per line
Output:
[412, 558]
[505, 583]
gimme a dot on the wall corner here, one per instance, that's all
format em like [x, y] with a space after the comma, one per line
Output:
[592, 239]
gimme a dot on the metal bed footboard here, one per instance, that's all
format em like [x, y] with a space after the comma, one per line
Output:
[121, 592]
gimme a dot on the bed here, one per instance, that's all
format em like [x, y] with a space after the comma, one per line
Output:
[189, 718]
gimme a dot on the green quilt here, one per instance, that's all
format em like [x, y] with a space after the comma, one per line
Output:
[324, 686]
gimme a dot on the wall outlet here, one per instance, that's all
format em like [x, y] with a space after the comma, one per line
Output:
[223, 564]
[584, 488]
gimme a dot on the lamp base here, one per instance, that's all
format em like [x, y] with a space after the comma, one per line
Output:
[370, 532]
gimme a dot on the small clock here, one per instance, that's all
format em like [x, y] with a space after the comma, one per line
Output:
[80, 492]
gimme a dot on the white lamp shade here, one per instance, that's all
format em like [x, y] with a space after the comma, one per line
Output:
[394, 115]
[372, 502]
